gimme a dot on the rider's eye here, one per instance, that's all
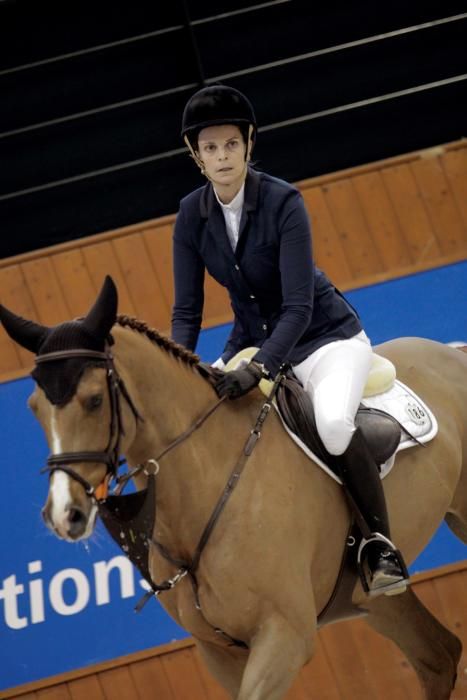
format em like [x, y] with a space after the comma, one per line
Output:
[94, 402]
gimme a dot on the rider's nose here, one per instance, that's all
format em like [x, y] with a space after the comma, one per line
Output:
[77, 522]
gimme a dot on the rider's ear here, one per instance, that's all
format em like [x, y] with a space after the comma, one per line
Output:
[28, 334]
[103, 314]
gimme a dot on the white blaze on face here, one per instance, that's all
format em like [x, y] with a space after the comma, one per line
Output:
[60, 493]
[60, 482]
[56, 440]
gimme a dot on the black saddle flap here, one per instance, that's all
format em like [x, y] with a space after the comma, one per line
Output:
[381, 431]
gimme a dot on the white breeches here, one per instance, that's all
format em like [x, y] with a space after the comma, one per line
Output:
[334, 376]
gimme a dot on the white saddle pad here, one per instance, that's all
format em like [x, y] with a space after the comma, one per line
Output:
[382, 391]
[411, 412]
[406, 407]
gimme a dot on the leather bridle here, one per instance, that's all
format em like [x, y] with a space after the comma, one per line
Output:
[111, 455]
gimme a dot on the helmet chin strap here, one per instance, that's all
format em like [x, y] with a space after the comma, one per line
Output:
[200, 163]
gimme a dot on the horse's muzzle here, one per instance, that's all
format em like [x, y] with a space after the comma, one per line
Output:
[73, 526]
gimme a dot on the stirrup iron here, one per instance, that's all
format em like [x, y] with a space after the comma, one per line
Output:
[390, 589]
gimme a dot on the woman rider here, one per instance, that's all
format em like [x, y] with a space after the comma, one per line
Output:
[251, 232]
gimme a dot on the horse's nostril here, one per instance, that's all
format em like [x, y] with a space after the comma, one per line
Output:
[76, 516]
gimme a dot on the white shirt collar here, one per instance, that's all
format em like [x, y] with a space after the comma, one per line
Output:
[237, 201]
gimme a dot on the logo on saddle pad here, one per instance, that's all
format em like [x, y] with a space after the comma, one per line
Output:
[416, 413]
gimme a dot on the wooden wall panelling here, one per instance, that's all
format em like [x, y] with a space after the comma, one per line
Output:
[15, 295]
[158, 241]
[213, 690]
[151, 680]
[183, 677]
[350, 667]
[298, 690]
[455, 167]
[59, 692]
[327, 247]
[75, 282]
[318, 677]
[359, 247]
[101, 260]
[9, 352]
[452, 596]
[411, 213]
[386, 664]
[45, 291]
[382, 221]
[87, 688]
[117, 684]
[440, 204]
[145, 290]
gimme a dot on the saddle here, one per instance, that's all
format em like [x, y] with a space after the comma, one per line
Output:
[381, 431]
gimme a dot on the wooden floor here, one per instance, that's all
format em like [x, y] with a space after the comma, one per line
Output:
[352, 663]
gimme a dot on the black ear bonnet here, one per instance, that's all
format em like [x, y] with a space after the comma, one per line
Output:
[59, 379]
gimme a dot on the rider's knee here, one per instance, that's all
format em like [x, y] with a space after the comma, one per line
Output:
[336, 433]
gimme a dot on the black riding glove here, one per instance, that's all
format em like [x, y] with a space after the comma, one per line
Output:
[239, 382]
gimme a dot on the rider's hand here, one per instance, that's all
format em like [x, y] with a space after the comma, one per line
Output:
[239, 382]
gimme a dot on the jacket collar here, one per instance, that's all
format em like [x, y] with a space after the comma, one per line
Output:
[208, 202]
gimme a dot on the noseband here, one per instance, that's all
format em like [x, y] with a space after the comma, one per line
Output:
[111, 455]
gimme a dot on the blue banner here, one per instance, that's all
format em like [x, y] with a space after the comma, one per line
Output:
[64, 606]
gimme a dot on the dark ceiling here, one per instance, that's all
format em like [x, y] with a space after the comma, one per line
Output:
[92, 96]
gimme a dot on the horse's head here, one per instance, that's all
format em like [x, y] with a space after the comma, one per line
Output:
[77, 401]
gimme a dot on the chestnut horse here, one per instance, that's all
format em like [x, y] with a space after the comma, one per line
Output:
[272, 559]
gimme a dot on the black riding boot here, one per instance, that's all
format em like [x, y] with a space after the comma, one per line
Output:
[360, 476]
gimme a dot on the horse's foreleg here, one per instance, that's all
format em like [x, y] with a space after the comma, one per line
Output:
[226, 664]
[433, 650]
[277, 653]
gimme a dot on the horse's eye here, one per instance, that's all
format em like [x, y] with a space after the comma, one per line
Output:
[94, 402]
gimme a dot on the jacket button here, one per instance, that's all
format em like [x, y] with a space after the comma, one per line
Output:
[237, 267]
[252, 296]
[265, 326]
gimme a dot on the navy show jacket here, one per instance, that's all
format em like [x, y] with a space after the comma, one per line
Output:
[282, 302]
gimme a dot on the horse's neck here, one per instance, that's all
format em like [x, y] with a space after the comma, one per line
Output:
[168, 393]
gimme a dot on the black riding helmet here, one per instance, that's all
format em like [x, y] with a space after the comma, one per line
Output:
[217, 104]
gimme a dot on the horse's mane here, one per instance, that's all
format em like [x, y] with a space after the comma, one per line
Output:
[167, 344]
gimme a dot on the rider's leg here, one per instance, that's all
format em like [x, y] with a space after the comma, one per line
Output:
[335, 377]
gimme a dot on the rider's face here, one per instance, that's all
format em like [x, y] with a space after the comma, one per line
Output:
[222, 150]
